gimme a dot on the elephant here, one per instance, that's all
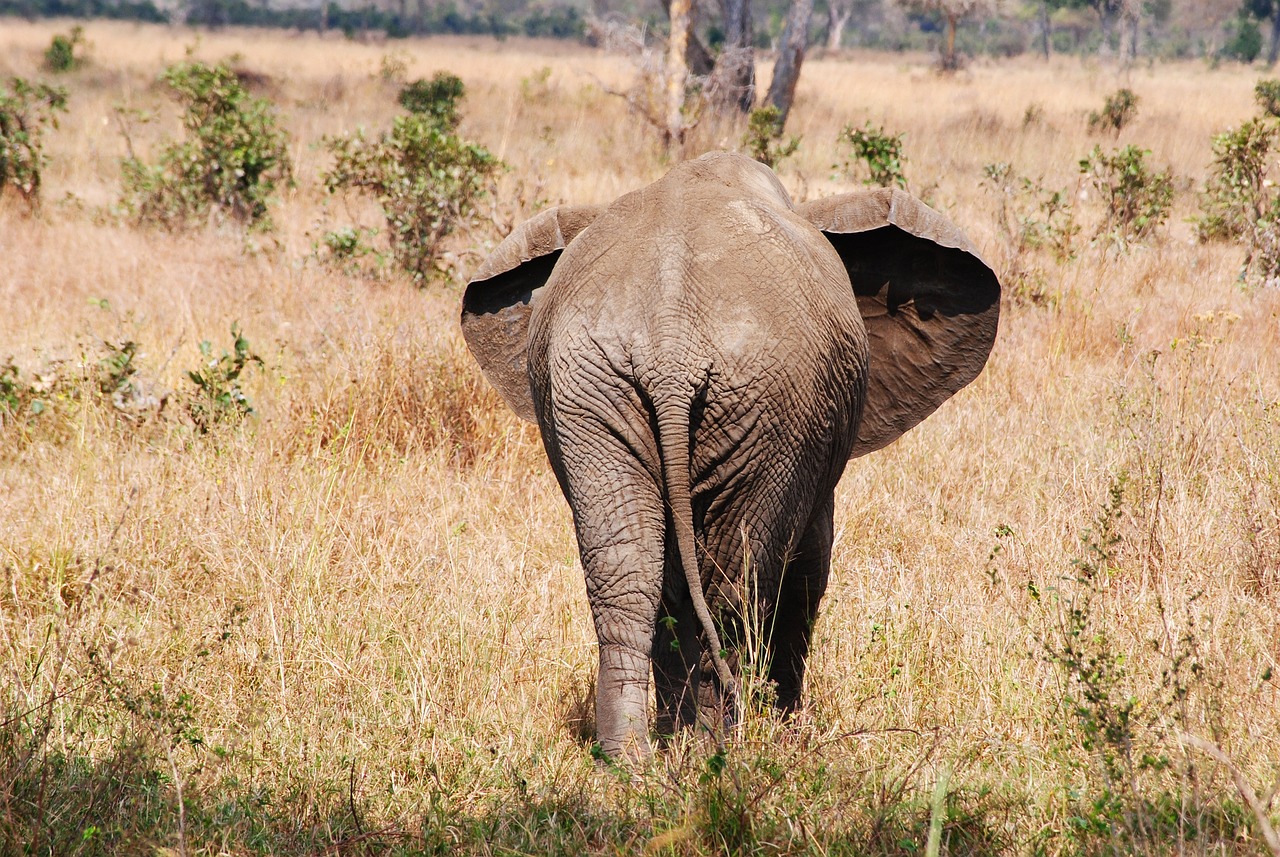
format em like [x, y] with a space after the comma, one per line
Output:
[702, 359]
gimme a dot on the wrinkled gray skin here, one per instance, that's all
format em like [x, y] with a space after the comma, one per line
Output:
[697, 360]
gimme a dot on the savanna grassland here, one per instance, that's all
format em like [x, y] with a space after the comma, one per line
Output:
[354, 622]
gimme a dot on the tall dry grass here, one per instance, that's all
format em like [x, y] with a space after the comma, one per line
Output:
[357, 622]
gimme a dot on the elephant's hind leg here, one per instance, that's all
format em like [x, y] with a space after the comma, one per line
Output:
[676, 651]
[804, 580]
[622, 561]
[620, 519]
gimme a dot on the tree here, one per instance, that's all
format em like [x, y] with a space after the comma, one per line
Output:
[1268, 10]
[841, 12]
[953, 12]
[786, 71]
[734, 75]
[677, 68]
[1107, 12]
[838, 14]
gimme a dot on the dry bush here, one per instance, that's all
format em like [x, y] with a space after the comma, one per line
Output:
[409, 397]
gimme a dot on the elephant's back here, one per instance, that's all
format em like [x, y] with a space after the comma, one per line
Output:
[729, 294]
[728, 270]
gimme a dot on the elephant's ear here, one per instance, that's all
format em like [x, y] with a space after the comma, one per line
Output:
[929, 302]
[497, 302]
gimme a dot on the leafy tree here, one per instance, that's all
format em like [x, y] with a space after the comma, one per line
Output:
[1267, 10]
[1107, 11]
[1245, 41]
[953, 11]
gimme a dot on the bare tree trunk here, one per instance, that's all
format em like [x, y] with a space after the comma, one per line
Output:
[1135, 13]
[837, 20]
[677, 71]
[735, 70]
[949, 62]
[697, 56]
[786, 71]
[1273, 52]
[1106, 21]
[1046, 28]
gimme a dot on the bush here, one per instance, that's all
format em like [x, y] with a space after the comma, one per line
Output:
[1267, 94]
[436, 98]
[1137, 199]
[26, 109]
[763, 138]
[1244, 40]
[1239, 202]
[61, 54]
[1236, 194]
[230, 163]
[1030, 217]
[427, 180]
[218, 398]
[1118, 110]
[881, 152]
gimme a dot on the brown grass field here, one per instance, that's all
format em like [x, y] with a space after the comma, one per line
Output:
[355, 623]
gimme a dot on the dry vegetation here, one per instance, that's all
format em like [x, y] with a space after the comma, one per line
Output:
[355, 623]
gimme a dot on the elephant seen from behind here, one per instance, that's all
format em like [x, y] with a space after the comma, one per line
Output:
[703, 358]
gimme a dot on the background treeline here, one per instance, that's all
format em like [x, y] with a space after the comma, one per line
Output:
[1244, 30]
[556, 21]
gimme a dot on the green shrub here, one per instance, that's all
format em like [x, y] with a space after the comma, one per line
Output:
[1031, 217]
[1236, 194]
[1118, 110]
[1267, 94]
[233, 156]
[26, 110]
[763, 138]
[218, 398]
[880, 151]
[427, 180]
[436, 98]
[1244, 40]
[61, 53]
[1239, 201]
[1137, 200]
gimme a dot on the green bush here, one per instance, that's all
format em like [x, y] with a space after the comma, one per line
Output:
[436, 98]
[880, 151]
[1137, 199]
[1236, 194]
[1239, 201]
[426, 178]
[763, 138]
[61, 53]
[1267, 94]
[26, 110]
[1030, 217]
[1118, 110]
[1244, 40]
[218, 398]
[230, 163]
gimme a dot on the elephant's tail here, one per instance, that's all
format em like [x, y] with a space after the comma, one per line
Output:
[673, 412]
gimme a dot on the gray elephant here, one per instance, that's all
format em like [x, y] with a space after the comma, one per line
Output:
[703, 358]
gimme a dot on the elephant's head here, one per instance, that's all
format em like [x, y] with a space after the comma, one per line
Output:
[929, 302]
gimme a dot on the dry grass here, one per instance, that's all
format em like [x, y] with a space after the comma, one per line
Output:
[357, 622]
